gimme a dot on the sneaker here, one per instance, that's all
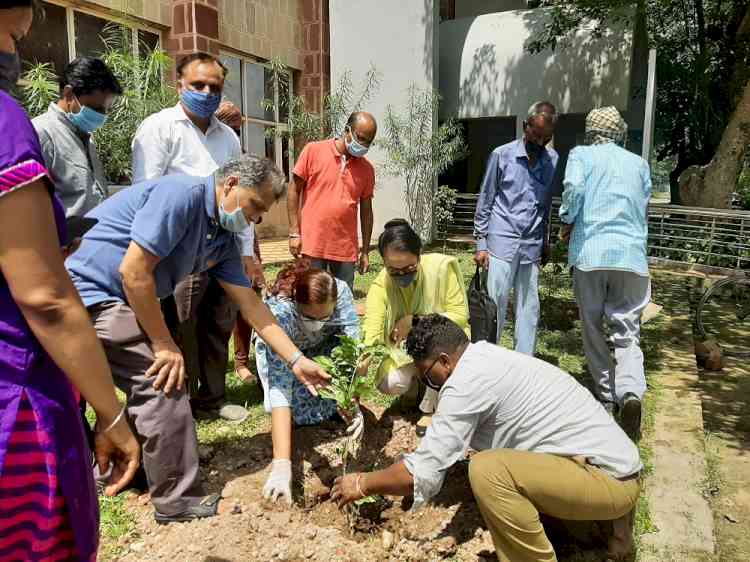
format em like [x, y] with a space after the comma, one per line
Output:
[630, 416]
[208, 507]
[233, 413]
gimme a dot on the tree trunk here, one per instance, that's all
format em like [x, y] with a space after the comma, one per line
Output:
[712, 185]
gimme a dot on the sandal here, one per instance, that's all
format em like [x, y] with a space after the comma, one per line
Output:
[244, 374]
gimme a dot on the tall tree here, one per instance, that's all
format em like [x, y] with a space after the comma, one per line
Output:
[703, 50]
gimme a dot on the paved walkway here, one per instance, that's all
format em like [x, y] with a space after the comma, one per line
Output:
[275, 251]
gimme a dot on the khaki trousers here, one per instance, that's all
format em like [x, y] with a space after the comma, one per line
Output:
[513, 487]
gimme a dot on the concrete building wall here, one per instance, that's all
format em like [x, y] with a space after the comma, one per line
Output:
[400, 39]
[473, 8]
[485, 71]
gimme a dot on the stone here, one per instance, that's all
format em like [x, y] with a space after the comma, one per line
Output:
[137, 546]
[387, 539]
[205, 452]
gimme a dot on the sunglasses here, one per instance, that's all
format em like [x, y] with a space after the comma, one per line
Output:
[400, 272]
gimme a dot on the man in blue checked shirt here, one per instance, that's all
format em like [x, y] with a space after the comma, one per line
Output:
[605, 216]
[510, 225]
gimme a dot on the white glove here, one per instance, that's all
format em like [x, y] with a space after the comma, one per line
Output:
[356, 429]
[279, 483]
[398, 381]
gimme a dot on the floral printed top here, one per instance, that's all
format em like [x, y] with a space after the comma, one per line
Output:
[281, 389]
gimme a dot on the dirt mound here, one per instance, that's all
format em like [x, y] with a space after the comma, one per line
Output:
[314, 529]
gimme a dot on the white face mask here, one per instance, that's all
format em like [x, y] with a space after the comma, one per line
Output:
[312, 326]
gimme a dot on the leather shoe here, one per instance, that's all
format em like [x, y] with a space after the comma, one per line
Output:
[207, 507]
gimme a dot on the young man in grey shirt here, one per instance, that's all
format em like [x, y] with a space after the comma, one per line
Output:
[547, 445]
[88, 89]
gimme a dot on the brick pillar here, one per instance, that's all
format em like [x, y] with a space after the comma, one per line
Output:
[315, 82]
[195, 27]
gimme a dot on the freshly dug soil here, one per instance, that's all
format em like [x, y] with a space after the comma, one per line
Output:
[253, 529]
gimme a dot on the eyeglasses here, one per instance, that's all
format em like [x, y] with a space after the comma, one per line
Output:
[426, 376]
[399, 272]
[312, 319]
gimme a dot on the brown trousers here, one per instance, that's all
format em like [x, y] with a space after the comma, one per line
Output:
[512, 487]
[201, 324]
[163, 423]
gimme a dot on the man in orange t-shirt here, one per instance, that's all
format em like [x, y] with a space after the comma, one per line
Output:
[330, 182]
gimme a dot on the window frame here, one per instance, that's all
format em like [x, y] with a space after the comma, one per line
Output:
[133, 25]
[280, 127]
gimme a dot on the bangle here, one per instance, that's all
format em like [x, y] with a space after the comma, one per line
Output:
[358, 483]
[295, 236]
[116, 420]
[296, 357]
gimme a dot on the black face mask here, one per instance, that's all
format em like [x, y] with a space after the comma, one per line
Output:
[534, 149]
[10, 68]
[429, 384]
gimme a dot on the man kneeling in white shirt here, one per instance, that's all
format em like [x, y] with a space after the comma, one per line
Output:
[547, 445]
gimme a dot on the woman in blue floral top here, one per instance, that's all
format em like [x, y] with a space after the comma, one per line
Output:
[313, 308]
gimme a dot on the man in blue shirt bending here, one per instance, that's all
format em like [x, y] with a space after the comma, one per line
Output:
[510, 225]
[605, 216]
[149, 238]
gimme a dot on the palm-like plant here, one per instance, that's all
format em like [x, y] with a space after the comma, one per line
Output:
[144, 92]
[419, 153]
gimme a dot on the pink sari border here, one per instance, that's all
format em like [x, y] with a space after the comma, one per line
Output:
[19, 175]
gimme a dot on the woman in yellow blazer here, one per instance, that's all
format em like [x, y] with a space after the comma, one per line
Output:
[411, 283]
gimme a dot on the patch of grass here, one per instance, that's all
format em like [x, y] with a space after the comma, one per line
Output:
[714, 481]
[117, 524]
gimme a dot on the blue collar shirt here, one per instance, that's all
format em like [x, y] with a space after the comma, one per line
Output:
[172, 217]
[513, 206]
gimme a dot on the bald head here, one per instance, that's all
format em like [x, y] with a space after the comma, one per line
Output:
[359, 134]
[364, 125]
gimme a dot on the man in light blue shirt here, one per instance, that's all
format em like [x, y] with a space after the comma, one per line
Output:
[605, 216]
[510, 225]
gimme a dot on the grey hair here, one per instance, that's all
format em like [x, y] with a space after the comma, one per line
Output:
[253, 171]
[542, 108]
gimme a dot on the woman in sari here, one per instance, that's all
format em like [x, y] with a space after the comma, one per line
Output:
[411, 283]
[48, 507]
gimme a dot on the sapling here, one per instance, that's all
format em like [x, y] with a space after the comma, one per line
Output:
[353, 368]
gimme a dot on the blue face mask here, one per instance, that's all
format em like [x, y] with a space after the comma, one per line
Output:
[87, 120]
[234, 221]
[404, 281]
[202, 105]
[354, 147]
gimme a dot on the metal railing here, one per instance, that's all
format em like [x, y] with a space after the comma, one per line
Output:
[709, 238]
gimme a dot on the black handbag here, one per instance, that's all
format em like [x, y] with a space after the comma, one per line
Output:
[482, 310]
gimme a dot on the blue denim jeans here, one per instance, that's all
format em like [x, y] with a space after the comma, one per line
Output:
[523, 278]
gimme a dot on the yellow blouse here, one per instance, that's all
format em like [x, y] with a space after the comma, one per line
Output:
[438, 288]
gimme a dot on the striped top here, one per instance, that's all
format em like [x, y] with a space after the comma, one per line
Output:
[35, 523]
[606, 195]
